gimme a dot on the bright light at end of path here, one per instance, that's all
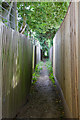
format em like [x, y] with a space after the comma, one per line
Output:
[45, 53]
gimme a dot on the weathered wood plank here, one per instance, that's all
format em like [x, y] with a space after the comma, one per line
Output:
[79, 59]
[1, 71]
[15, 71]
[66, 58]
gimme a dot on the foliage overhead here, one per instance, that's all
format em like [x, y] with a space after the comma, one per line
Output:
[43, 18]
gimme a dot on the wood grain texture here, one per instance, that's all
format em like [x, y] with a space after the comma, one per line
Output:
[79, 58]
[51, 54]
[1, 29]
[16, 71]
[66, 58]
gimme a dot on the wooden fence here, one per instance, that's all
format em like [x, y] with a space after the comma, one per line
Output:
[0, 75]
[66, 59]
[15, 71]
[51, 54]
[36, 54]
[17, 55]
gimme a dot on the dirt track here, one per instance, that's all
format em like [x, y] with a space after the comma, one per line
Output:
[44, 100]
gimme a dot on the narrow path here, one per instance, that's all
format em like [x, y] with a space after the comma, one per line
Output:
[44, 100]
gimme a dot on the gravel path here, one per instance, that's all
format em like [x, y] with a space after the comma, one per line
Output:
[44, 100]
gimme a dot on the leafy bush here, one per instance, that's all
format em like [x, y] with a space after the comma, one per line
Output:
[34, 78]
[38, 67]
[35, 75]
[50, 69]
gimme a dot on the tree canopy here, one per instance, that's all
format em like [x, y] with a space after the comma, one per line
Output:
[43, 18]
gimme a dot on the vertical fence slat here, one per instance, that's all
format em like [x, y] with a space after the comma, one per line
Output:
[1, 29]
[79, 58]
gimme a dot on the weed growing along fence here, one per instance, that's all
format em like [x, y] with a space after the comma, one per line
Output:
[50, 70]
[36, 73]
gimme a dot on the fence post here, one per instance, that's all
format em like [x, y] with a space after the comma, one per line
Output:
[0, 72]
[79, 57]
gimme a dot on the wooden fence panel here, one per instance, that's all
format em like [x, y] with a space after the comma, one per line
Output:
[66, 58]
[38, 53]
[16, 60]
[51, 54]
[1, 71]
[79, 58]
